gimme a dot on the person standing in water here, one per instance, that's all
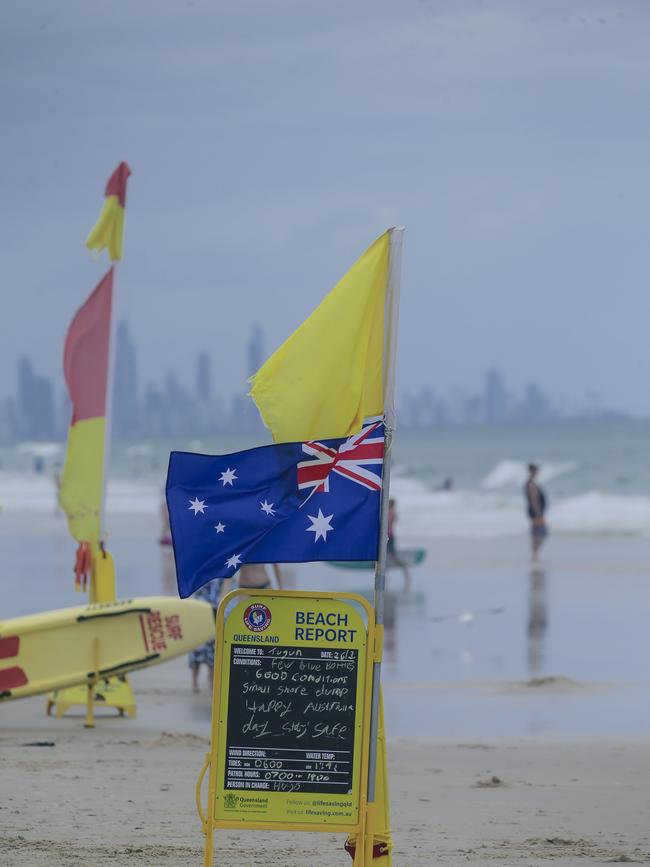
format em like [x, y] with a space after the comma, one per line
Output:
[536, 504]
[392, 557]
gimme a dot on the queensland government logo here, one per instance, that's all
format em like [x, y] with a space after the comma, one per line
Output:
[257, 617]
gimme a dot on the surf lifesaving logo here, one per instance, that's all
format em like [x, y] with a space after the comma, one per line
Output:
[257, 617]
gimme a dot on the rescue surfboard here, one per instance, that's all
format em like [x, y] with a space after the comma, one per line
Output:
[57, 649]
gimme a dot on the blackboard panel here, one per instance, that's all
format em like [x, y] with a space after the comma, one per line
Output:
[291, 719]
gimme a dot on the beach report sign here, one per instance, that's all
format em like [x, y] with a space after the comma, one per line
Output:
[290, 711]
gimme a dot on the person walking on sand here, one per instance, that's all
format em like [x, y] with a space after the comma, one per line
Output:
[536, 504]
[392, 557]
[254, 576]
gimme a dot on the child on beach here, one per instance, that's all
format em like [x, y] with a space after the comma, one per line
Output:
[204, 654]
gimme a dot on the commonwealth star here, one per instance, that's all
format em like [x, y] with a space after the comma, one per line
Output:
[320, 525]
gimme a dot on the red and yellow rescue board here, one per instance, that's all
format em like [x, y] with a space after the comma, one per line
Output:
[57, 649]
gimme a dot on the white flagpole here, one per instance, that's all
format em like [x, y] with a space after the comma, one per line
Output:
[110, 379]
[391, 315]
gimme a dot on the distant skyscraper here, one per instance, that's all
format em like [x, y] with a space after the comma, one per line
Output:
[255, 350]
[495, 397]
[204, 376]
[125, 389]
[8, 423]
[35, 403]
[535, 406]
[155, 420]
[66, 412]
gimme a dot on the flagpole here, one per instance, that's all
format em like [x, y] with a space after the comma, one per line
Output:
[391, 315]
[110, 378]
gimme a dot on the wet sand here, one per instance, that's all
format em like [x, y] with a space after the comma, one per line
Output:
[517, 708]
[123, 794]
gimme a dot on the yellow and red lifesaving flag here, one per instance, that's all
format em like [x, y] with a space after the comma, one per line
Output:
[86, 368]
[108, 230]
[335, 370]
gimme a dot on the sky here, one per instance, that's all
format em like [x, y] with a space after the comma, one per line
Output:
[270, 143]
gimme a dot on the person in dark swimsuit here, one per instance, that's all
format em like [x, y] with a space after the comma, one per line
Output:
[536, 506]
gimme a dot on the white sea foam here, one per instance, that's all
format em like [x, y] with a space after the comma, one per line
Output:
[513, 474]
[596, 513]
[426, 514]
[29, 492]
[423, 513]
[40, 450]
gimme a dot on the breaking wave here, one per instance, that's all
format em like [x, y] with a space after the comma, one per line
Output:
[426, 514]
[513, 474]
[423, 513]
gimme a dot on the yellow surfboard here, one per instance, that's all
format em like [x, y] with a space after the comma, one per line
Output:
[56, 649]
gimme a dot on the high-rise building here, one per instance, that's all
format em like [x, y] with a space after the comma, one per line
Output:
[154, 420]
[495, 397]
[255, 351]
[125, 389]
[535, 406]
[8, 425]
[204, 376]
[35, 403]
[65, 409]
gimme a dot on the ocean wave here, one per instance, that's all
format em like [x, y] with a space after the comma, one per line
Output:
[596, 513]
[20, 492]
[426, 514]
[513, 474]
[423, 513]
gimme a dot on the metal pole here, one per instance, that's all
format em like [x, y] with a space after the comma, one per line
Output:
[380, 584]
[390, 347]
[110, 379]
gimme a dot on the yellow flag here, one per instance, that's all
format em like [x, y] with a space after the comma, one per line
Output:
[329, 375]
[108, 231]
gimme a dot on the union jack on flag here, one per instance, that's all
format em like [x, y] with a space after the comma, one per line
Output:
[351, 460]
[291, 502]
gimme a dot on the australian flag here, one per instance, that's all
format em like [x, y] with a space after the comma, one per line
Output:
[286, 503]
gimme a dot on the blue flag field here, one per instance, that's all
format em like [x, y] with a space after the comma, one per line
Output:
[286, 503]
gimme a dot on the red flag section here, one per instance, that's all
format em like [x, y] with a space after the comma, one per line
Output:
[85, 357]
[116, 185]
[85, 364]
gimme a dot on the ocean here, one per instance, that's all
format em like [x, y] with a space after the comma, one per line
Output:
[485, 642]
[596, 475]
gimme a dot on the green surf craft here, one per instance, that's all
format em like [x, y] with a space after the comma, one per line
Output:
[406, 557]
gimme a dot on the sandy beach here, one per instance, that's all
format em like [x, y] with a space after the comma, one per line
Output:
[328, 287]
[517, 712]
[123, 794]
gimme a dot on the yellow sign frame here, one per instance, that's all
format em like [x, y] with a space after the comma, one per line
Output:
[372, 650]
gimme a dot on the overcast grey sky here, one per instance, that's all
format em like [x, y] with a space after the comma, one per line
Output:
[270, 142]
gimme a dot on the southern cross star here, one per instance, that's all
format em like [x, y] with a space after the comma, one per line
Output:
[320, 525]
[267, 508]
[219, 527]
[227, 477]
[234, 561]
[197, 505]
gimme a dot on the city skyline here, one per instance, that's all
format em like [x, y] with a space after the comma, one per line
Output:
[524, 196]
[171, 405]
